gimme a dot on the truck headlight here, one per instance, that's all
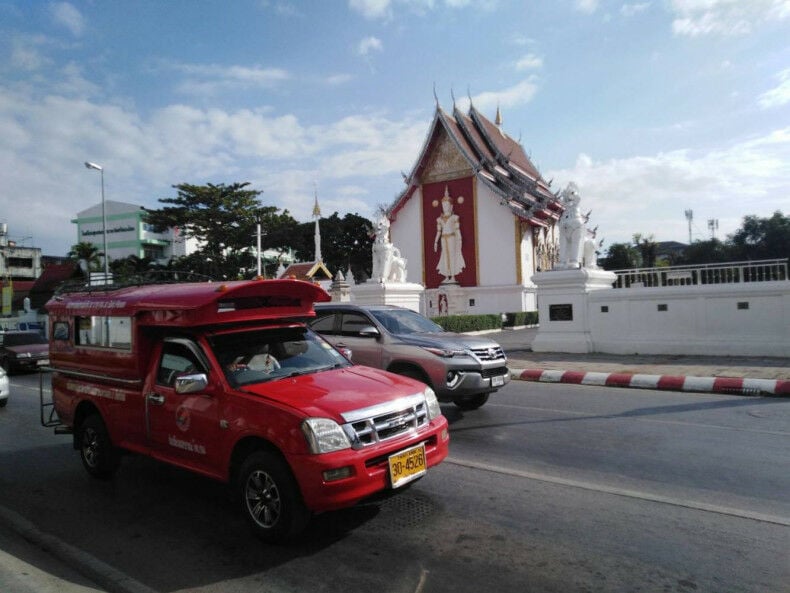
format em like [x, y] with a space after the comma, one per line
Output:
[324, 435]
[432, 403]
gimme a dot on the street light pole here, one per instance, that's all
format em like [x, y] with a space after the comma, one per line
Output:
[103, 218]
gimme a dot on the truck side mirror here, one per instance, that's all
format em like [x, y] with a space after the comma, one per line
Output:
[191, 383]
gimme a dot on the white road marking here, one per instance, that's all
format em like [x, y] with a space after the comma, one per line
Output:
[639, 495]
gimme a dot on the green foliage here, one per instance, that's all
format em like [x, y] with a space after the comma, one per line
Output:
[622, 256]
[521, 318]
[468, 323]
[345, 242]
[761, 238]
[704, 252]
[87, 252]
[223, 218]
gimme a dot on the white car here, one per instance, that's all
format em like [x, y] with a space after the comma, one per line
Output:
[4, 388]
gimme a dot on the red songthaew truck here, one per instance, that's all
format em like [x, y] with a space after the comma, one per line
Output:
[226, 380]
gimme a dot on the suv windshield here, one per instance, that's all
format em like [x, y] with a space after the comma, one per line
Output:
[405, 321]
[23, 339]
[263, 355]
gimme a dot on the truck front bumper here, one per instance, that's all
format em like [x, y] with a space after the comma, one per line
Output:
[367, 469]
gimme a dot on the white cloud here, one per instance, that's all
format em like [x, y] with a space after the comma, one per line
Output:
[529, 62]
[725, 17]
[371, 9]
[369, 44]
[519, 94]
[210, 79]
[630, 10]
[26, 52]
[778, 96]
[67, 15]
[648, 194]
[587, 6]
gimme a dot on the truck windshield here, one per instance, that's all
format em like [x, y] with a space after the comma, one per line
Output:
[255, 356]
[405, 321]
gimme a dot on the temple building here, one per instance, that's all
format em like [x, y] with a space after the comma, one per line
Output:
[476, 219]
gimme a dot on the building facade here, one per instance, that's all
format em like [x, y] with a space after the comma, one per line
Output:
[129, 234]
[476, 219]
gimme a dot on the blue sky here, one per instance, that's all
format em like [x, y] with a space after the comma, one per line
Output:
[652, 107]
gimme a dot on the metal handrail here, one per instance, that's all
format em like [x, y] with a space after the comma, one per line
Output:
[769, 270]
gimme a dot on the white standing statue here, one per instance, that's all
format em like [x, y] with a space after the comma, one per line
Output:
[572, 230]
[448, 235]
[388, 264]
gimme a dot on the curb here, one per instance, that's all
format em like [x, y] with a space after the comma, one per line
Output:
[102, 574]
[728, 385]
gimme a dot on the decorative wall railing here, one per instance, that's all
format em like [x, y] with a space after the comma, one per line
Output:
[769, 270]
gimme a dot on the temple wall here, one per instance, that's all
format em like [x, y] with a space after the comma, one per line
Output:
[496, 240]
[406, 235]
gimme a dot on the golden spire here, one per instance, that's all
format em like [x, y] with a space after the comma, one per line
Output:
[498, 119]
[316, 207]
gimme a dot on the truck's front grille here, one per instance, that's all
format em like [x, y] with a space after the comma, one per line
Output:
[489, 353]
[386, 421]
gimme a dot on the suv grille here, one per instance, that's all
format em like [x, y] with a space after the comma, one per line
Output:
[380, 423]
[487, 354]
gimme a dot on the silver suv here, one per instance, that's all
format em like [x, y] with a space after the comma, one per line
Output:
[460, 368]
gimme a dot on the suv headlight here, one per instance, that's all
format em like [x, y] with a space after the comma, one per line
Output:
[432, 403]
[445, 352]
[324, 435]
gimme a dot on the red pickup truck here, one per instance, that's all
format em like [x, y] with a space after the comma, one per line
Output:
[226, 380]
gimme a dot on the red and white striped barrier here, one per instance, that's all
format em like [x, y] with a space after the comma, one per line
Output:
[731, 385]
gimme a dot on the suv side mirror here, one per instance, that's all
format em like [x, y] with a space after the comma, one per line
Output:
[369, 331]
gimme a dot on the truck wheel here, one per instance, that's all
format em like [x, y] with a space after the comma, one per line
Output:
[270, 498]
[99, 457]
[471, 402]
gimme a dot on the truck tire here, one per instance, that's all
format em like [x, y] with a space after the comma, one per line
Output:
[471, 402]
[270, 498]
[99, 457]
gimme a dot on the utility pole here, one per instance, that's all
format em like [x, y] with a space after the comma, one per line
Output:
[690, 218]
[713, 226]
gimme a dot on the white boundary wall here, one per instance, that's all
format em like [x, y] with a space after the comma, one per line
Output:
[748, 319]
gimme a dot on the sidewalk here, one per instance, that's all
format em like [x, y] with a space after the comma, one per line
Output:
[741, 375]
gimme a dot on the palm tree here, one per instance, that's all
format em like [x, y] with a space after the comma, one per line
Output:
[87, 254]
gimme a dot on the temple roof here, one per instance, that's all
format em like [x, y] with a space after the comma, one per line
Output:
[310, 271]
[493, 157]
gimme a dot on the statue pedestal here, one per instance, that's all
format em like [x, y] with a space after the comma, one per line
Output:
[402, 294]
[563, 308]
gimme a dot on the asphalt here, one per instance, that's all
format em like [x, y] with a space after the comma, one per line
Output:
[32, 561]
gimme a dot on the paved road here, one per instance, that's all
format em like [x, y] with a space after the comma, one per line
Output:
[548, 488]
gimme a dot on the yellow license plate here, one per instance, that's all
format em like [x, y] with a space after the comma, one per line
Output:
[407, 465]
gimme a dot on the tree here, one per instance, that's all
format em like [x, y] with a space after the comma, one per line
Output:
[223, 219]
[622, 256]
[130, 266]
[87, 254]
[761, 238]
[647, 249]
[704, 252]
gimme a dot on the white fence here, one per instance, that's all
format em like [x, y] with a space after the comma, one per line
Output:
[770, 270]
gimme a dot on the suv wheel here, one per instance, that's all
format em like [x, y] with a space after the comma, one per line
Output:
[471, 402]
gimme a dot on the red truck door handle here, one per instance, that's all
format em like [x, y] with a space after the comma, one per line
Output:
[155, 398]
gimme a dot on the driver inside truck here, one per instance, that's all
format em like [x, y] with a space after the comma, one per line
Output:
[255, 358]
